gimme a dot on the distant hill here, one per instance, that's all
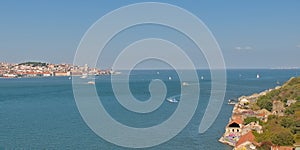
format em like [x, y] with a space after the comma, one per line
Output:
[33, 64]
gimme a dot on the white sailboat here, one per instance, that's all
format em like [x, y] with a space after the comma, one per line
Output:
[170, 78]
[257, 76]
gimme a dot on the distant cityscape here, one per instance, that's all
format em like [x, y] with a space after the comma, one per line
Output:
[40, 69]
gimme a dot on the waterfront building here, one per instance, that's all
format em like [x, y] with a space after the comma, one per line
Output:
[246, 142]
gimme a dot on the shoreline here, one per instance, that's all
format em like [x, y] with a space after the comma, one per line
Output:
[57, 76]
[269, 119]
[235, 129]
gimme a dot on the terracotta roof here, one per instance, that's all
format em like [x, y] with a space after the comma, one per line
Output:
[30, 73]
[236, 119]
[261, 114]
[247, 137]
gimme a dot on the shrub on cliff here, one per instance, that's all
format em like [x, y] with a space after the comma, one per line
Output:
[265, 103]
[251, 119]
[287, 122]
[283, 138]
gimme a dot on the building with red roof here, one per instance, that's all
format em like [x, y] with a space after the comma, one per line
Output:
[246, 141]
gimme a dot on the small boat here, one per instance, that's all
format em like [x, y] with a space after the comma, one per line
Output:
[185, 84]
[232, 102]
[84, 76]
[257, 76]
[172, 100]
[170, 78]
[117, 73]
[202, 78]
[91, 82]
[70, 78]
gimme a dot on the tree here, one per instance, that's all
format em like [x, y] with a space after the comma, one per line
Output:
[283, 138]
[289, 111]
[287, 122]
[265, 146]
[251, 119]
[271, 117]
[265, 103]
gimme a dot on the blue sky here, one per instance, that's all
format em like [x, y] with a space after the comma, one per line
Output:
[251, 34]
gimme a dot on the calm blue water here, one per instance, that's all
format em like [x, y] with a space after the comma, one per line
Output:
[40, 113]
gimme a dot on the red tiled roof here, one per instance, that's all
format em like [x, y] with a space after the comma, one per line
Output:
[261, 114]
[30, 73]
[236, 119]
[247, 137]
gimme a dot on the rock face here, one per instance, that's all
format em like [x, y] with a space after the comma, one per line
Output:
[290, 102]
[278, 108]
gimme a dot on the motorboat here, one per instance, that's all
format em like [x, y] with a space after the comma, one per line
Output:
[172, 100]
[91, 82]
[232, 102]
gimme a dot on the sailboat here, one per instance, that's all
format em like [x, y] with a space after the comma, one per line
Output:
[170, 78]
[257, 76]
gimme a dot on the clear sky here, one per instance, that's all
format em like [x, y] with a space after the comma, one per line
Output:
[251, 34]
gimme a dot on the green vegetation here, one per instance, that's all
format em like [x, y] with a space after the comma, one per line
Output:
[289, 111]
[281, 130]
[251, 119]
[284, 138]
[254, 106]
[277, 130]
[290, 90]
[287, 122]
[265, 102]
[265, 146]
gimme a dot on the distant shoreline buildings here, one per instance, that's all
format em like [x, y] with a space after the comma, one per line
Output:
[39, 69]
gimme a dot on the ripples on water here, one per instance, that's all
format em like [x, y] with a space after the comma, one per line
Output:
[40, 113]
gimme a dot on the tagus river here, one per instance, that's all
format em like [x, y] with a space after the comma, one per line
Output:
[40, 113]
